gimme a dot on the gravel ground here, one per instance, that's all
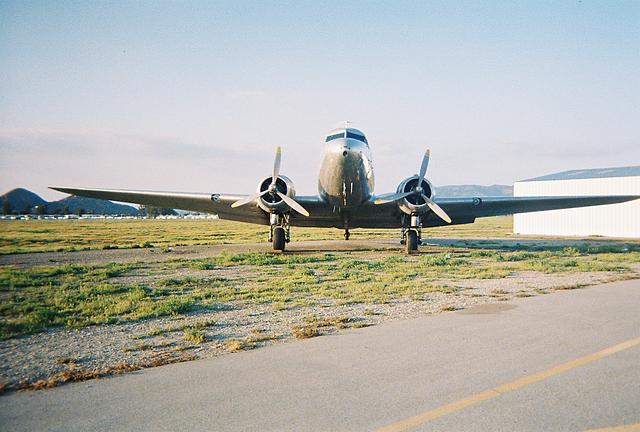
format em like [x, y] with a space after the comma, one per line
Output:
[238, 326]
[235, 327]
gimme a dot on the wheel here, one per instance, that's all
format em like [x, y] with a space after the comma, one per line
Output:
[411, 241]
[278, 239]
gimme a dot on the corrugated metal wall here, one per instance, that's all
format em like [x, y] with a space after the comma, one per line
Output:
[616, 220]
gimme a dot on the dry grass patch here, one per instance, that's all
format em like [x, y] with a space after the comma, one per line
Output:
[194, 335]
[280, 306]
[571, 287]
[305, 331]
[66, 360]
[235, 345]
[258, 336]
[372, 312]
[138, 347]
[76, 373]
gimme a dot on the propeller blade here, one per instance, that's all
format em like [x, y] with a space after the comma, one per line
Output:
[293, 204]
[276, 165]
[383, 199]
[247, 200]
[423, 167]
[436, 209]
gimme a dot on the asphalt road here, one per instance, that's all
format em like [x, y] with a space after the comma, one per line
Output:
[567, 361]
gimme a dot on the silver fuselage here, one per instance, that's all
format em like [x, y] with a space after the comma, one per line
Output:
[346, 174]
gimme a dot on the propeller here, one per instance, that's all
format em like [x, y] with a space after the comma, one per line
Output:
[273, 190]
[383, 199]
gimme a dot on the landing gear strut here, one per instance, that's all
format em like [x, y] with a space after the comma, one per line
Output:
[280, 231]
[412, 235]
[346, 224]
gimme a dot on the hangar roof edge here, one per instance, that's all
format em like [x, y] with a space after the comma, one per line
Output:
[630, 171]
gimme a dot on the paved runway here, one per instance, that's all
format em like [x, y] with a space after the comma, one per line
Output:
[568, 361]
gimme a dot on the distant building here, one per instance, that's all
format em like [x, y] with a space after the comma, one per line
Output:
[615, 220]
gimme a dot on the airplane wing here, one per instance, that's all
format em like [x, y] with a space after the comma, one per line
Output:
[466, 210]
[215, 203]
[388, 215]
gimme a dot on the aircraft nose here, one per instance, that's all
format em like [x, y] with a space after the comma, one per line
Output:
[343, 148]
[346, 148]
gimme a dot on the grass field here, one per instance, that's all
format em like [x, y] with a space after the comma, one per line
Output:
[34, 299]
[181, 303]
[70, 235]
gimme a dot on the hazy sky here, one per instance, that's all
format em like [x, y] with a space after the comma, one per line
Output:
[195, 96]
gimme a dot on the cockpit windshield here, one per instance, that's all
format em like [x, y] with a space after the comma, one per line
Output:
[334, 136]
[349, 134]
[357, 137]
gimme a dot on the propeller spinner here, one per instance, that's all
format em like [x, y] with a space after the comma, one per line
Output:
[273, 190]
[419, 191]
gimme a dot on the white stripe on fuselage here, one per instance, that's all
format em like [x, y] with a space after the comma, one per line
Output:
[346, 174]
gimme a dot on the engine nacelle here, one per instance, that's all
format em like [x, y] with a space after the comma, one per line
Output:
[272, 203]
[414, 203]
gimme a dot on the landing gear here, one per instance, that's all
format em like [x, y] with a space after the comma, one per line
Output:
[411, 241]
[280, 231]
[412, 235]
[346, 224]
[278, 239]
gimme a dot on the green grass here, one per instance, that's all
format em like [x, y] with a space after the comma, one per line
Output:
[80, 295]
[74, 296]
[248, 258]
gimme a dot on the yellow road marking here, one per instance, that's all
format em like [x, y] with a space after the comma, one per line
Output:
[412, 422]
[623, 428]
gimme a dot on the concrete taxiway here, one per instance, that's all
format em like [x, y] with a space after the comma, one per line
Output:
[567, 361]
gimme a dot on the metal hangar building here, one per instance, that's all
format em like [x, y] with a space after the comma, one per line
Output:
[615, 220]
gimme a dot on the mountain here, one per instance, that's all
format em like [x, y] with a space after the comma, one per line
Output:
[24, 201]
[20, 201]
[90, 205]
[452, 191]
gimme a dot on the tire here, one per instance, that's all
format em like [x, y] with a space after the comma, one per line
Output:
[411, 241]
[278, 239]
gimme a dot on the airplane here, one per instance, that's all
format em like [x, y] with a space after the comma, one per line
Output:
[346, 198]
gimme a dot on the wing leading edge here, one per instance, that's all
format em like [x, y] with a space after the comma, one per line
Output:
[214, 203]
[201, 202]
